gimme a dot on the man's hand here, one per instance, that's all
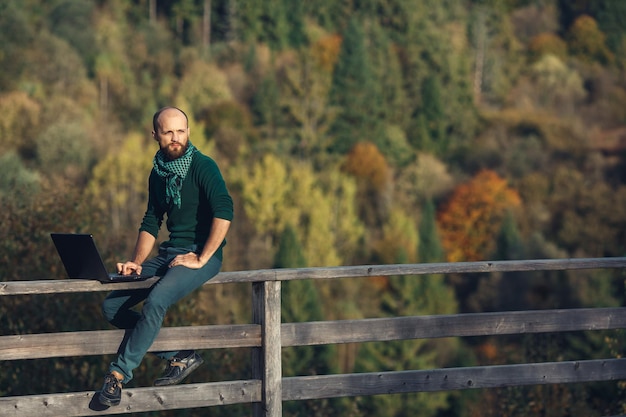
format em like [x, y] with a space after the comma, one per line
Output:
[190, 260]
[128, 268]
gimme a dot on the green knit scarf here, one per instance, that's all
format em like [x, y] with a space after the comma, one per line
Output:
[174, 172]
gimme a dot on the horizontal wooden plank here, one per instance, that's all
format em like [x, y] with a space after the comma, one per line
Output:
[134, 400]
[317, 387]
[457, 325]
[350, 385]
[286, 274]
[50, 345]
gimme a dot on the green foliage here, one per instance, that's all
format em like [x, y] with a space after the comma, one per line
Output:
[285, 90]
[354, 92]
[322, 210]
[64, 146]
[587, 42]
[71, 20]
[204, 85]
[20, 119]
[611, 17]
[429, 248]
[17, 183]
[15, 34]
[404, 296]
[289, 254]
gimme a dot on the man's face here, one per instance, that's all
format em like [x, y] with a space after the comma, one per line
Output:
[172, 134]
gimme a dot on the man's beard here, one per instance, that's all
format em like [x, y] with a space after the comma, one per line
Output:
[172, 154]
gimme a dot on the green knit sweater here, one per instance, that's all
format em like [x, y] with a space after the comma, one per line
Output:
[204, 196]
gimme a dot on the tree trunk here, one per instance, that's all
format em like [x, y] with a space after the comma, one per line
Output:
[206, 25]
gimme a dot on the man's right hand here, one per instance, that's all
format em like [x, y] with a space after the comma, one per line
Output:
[128, 268]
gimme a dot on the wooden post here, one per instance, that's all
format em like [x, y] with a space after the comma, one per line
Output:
[266, 360]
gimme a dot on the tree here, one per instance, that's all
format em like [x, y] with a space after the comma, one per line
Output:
[118, 186]
[429, 248]
[408, 296]
[17, 183]
[399, 241]
[547, 43]
[354, 92]
[611, 17]
[435, 139]
[304, 87]
[321, 209]
[473, 215]
[300, 303]
[367, 164]
[21, 118]
[587, 42]
[71, 20]
[16, 34]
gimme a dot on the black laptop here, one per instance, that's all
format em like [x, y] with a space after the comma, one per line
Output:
[82, 260]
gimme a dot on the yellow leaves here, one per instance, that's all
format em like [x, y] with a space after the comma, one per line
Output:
[400, 239]
[472, 217]
[203, 85]
[554, 77]
[119, 185]
[263, 190]
[275, 194]
[20, 114]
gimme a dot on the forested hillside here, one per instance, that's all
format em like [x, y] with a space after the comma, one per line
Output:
[349, 132]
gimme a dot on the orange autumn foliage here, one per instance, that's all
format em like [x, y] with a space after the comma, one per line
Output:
[326, 51]
[368, 164]
[471, 220]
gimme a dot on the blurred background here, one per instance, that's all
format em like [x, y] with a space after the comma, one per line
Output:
[349, 132]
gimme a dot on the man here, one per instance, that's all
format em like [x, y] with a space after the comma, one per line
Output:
[188, 187]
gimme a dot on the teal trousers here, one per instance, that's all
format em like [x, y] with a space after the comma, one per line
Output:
[143, 327]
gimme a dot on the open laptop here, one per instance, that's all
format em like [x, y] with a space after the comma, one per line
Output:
[82, 260]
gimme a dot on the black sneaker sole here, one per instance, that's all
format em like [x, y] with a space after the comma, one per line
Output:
[104, 400]
[161, 382]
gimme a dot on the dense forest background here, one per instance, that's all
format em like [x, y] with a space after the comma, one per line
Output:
[349, 132]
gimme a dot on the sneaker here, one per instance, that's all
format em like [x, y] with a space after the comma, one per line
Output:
[111, 393]
[178, 369]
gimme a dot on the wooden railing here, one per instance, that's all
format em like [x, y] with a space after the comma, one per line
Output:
[266, 335]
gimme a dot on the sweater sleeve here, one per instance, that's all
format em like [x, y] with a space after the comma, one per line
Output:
[153, 217]
[215, 188]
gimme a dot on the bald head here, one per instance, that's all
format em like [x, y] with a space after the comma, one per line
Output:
[167, 111]
[171, 130]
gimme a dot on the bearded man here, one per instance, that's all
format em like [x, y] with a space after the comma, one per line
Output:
[188, 187]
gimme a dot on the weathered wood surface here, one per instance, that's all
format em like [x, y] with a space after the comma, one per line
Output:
[51, 345]
[37, 346]
[350, 385]
[286, 274]
[266, 361]
[133, 400]
[317, 387]
[267, 336]
[457, 325]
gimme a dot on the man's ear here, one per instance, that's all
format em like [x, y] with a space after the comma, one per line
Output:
[154, 136]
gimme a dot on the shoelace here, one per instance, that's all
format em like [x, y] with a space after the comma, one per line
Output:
[175, 363]
[112, 383]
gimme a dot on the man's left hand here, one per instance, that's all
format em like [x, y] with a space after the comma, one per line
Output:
[190, 260]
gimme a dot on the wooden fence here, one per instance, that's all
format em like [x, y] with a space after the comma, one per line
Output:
[266, 335]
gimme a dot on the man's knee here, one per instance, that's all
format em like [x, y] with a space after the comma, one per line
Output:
[109, 310]
[155, 308]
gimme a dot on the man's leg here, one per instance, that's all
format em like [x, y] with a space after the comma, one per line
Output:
[174, 285]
